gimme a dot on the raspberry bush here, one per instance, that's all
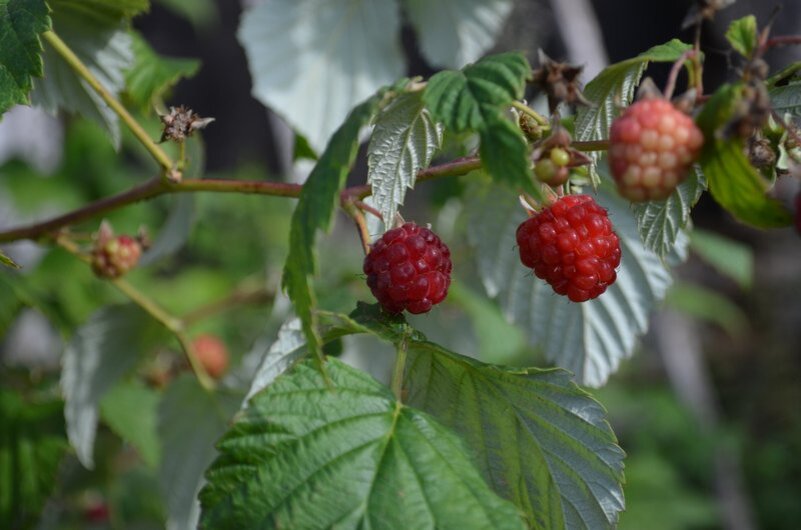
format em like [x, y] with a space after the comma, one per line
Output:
[558, 223]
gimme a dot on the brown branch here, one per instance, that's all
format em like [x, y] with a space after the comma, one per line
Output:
[156, 187]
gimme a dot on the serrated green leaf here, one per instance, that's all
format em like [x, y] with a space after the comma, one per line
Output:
[190, 420]
[8, 262]
[466, 100]
[404, 140]
[541, 441]
[103, 12]
[341, 52]
[591, 338]
[151, 74]
[660, 222]
[742, 35]
[729, 257]
[314, 211]
[504, 155]
[304, 455]
[201, 13]
[32, 443]
[614, 88]
[21, 22]
[732, 181]
[99, 354]
[786, 99]
[453, 33]
[287, 348]
[129, 408]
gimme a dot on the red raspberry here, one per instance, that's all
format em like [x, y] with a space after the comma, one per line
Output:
[652, 146]
[111, 258]
[409, 268]
[571, 245]
[212, 354]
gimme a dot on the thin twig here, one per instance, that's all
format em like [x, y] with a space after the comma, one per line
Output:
[670, 86]
[81, 69]
[237, 298]
[596, 145]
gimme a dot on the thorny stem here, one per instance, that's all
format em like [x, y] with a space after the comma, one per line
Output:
[670, 86]
[781, 40]
[596, 145]
[522, 107]
[361, 224]
[173, 324]
[76, 64]
[400, 367]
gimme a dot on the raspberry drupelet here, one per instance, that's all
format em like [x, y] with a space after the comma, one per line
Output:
[652, 147]
[408, 268]
[572, 246]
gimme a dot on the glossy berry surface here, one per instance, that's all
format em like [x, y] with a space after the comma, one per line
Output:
[116, 256]
[572, 246]
[652, 147]
[409, 268]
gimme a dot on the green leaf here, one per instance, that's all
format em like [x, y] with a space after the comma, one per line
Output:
[151, 74]
[8, 262]
[453, 33]
[733, 182]
[729, 257]
[504, 155]
[705, 304]
[591, 338]
[661, 222]
[190, 420]
[201, 13]
[302, 149]
[129, 408]
[541, 441]
[467, 100]
[404, 139]
[96, 31]
[614, 88]
[312, 62]
[21, 22]
[279, 356]
[742, 35]
[304, 455]
[786, 99]
[314, 211]
[32, 443]
[99, 354]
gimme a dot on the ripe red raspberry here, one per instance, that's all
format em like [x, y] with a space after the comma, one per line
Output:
[113, 257]
[409, 268]
[571, 245]
[652, 146]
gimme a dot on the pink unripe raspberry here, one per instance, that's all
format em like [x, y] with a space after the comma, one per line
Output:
[409, 268]
[115, 256]
[572, 246]
[652, 147]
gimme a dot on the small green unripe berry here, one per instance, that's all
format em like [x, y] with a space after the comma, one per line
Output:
[545, 169]
[560, 157]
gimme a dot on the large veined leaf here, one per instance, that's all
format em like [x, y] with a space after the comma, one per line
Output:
[313, 61]
[404, 139]
[32, 443]
[453, 33]
[314, 212]
[613, 88]
[540, 440]
[99, 354]
[786, 98]
[95, 31]
[661, 222]
[465, 100]
[475, 99]
[190, 421]
[733, 182]
[21, 22]
[309, 454]
[591, 338]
